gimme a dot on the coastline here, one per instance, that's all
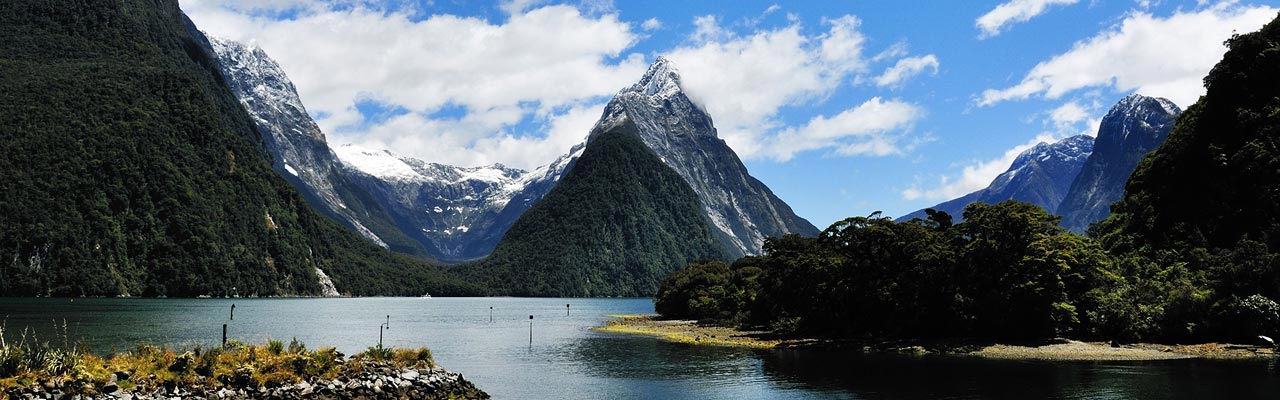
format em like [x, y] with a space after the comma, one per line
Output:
[234, 371]
[692, 332]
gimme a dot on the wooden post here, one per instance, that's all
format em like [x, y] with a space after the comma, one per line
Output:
[490, 314]
[233, 311]
[224, 336]
[566, 310]
[530, 331]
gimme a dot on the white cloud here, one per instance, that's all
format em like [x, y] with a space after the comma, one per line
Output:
[974, 176]
[463, 86]
[862, 130]
[907, 68]
[1068, 113]
[743, 82]
[541, 65]
[1011, 12]
[1163, 57]
[651, 24]
[513, 7]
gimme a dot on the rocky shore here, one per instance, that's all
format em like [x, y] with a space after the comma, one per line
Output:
[377, 381]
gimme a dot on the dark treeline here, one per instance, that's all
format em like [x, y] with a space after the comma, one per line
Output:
[1008, 271]
[1192, 251]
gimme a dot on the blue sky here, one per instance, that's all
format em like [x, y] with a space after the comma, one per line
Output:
[841, 107]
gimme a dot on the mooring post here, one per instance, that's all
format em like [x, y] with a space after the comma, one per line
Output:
[490, 314]
[381, 327]
[233, 311]
[224, 336]
[566, 310]
[530, 331]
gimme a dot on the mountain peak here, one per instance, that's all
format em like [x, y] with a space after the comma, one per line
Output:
[1135, 103]
[662, 80]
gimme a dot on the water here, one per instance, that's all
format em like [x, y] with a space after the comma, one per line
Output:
[567, 360]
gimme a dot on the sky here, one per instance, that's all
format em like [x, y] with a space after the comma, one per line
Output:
[842, 108]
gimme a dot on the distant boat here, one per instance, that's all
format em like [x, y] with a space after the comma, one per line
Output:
[426, 296]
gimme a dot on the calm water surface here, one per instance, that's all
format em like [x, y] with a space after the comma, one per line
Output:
[568, 360]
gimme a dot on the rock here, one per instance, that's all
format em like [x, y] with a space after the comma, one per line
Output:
[410, 374]
[110, 387]
[124, 375]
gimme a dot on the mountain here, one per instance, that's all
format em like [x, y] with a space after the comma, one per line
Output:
[423, 209]
[1215, 182]
[131, 168]
[298, 148]
[1132, 128]
[456, 213]
[653, 190]
[742, 210]
[1041, 175]
[615, 225]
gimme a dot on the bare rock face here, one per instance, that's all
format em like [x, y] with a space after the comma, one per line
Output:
[431, 210]
[1042, 175]
[741, 209]
[1132, 128]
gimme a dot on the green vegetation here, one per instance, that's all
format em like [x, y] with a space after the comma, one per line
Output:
[1198, 230]
[617, 223]
[129, 168]
[1007, 271]
[29, 363]
[1191, 253]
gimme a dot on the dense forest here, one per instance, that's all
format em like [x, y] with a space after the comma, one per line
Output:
[129, 168]
[617, 223]
[1189, 252]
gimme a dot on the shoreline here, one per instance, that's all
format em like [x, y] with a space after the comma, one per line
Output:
[692, 332]
[236, 371]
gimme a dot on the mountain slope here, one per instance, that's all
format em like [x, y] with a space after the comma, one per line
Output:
[131, 169]
[455, 213]
[742, 209]
[1042, 175]
[1132, 128]
[1216, 180]
[615, 225]
[423, 209]
[299, 151]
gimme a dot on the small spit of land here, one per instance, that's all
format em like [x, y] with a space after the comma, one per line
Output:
[239, 371]
[686, 331]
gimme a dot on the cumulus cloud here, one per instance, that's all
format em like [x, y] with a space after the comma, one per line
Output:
[541, 65]
[744, 80]
[1068, 113]
[1164, 57]
[1011, 12]
[651, 24]
[975, 175]
[861, 130]
[906, 68]
[521, 91]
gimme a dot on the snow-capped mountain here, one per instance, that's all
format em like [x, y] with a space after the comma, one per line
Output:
[298, 148]
[1041, 175]
[742, 209]
[459, 212]
[410, 206]
[1132, 128]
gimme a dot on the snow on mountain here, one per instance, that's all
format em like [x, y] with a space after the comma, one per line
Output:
[1041, 175]
[742, 209]
[298, 147]
[408, 205]
[1132, 128]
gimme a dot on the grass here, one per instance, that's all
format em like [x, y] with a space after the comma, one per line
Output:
[29, 363]
[685, 331]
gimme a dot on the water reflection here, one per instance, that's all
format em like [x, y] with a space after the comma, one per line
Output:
[934, 377]
[570, 361]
